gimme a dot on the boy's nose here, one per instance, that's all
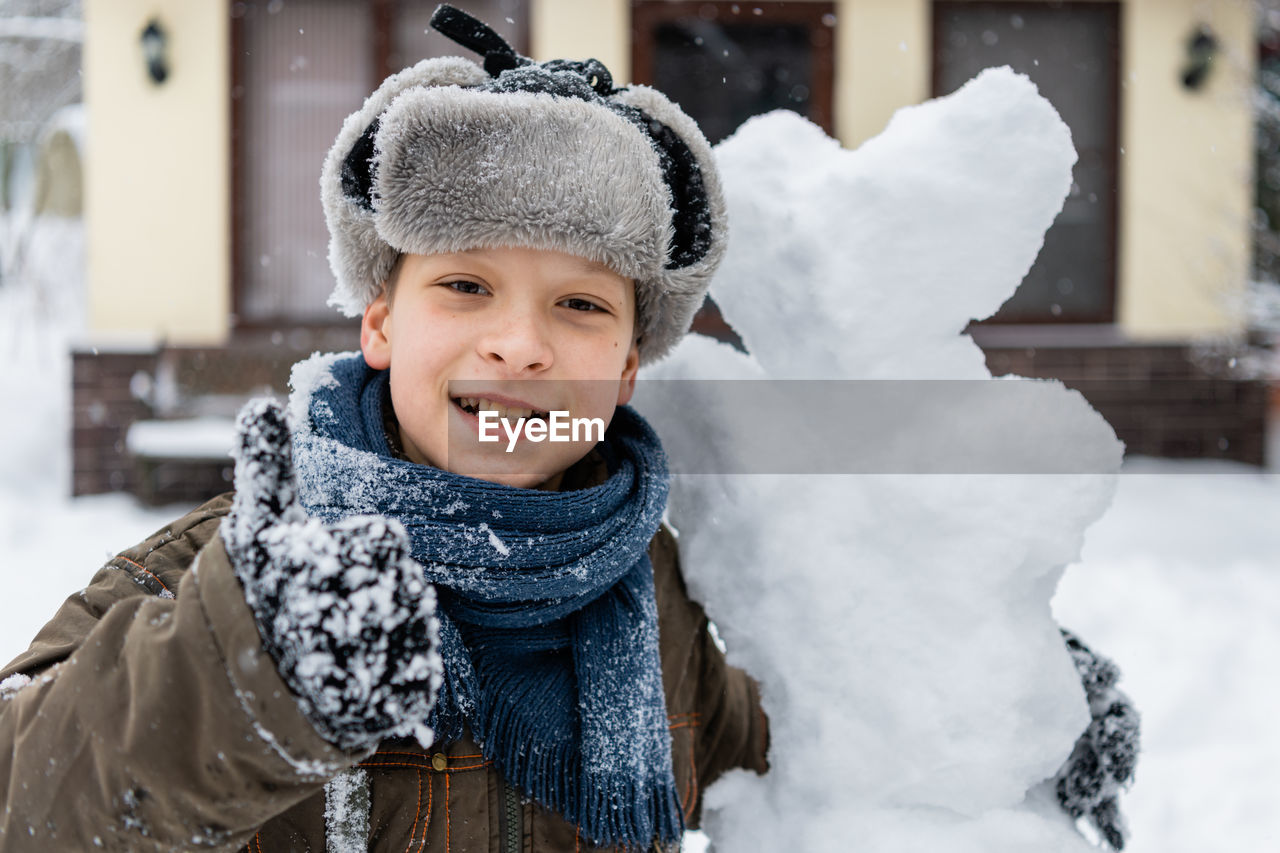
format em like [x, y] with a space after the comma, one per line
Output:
[520, 344]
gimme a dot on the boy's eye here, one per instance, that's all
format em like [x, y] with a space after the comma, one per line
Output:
[466, 286]
[581, 304]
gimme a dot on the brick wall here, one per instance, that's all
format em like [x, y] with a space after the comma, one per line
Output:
[113, 389]
[104, 402]
[1163, 400]
[1167, 400]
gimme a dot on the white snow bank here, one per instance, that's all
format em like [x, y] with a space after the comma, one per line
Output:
[916, 683]
[1178, 583]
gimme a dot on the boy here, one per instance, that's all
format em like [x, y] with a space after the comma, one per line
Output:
[262, 674]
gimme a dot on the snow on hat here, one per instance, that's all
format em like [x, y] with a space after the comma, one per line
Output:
[450, 155]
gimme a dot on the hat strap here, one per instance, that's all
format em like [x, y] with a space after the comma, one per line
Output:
[477, 36]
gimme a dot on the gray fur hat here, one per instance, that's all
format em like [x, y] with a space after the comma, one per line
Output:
[451, 155]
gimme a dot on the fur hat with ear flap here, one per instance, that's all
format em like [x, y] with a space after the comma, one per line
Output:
[451, 155]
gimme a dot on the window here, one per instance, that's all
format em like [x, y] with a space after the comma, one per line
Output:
[725, 62]
[299, 69]
[1071, 52]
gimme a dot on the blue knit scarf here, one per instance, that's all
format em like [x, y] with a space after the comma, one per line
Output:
[548, 623]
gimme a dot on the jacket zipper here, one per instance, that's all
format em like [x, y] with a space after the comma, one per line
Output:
[514, 820]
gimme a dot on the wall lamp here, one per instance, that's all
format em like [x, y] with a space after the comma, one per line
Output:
[155, 50]
[1202, 48]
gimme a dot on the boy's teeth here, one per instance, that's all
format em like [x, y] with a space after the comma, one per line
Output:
[504, 412]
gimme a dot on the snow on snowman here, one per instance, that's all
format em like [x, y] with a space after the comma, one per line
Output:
[919, 692]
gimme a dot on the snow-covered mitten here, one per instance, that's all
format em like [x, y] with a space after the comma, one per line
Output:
[342, 609]
[1104, 757]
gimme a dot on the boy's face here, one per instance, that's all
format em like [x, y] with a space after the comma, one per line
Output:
[469, 331]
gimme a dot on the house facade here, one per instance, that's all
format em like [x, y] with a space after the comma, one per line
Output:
[206, 245]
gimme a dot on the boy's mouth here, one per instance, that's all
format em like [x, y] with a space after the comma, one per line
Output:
[475, 405]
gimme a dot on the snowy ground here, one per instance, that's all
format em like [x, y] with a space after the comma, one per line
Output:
[1180, 583]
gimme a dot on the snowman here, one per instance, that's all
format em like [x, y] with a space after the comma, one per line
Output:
[878, 537]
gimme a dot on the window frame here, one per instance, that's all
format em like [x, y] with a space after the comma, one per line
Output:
[382, 15]
[1110, 286]
[648, 15]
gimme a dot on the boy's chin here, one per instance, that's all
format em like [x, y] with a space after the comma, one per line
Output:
[529, 469]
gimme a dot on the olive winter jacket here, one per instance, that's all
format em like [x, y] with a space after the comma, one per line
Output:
[154, 720]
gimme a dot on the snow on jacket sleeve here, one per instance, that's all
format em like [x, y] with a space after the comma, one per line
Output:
[153, 719]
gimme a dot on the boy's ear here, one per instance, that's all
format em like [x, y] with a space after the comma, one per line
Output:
[627, 386]
[375, 340]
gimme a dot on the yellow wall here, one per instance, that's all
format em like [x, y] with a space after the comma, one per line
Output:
[1186, 189]
[883, 62]
[157, 173]
[583, 29]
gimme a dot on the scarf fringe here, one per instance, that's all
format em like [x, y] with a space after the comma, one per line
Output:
[610, 813]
